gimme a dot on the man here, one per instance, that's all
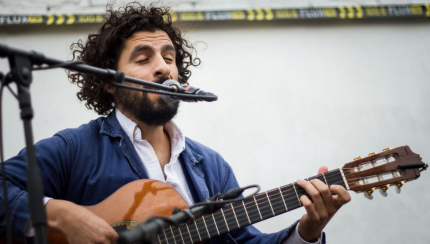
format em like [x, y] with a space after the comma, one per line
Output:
[137, 140]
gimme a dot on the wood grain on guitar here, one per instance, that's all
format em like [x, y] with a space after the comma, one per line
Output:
[139, 200]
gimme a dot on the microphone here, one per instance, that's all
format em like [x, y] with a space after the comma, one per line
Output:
[174, 84]
[193, 94]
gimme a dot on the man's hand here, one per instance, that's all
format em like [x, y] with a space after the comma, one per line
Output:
[78, 224]
[321, 210]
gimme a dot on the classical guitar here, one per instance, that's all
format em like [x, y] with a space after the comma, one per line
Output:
[139, 200]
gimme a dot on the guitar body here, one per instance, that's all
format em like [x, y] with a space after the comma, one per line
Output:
[132, 204]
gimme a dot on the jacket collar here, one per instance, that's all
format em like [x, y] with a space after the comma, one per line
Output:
[191, 155]
[111, 127]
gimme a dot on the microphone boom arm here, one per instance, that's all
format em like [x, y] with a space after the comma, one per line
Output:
[114, 77]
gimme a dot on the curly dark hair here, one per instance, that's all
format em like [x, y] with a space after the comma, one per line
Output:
[104, 49]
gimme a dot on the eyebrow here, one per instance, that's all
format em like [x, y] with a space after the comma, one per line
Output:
[141, 48]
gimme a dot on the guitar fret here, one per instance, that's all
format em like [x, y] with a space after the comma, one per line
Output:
[258, 208]
[345, 183]
[216, 226]
[230, 217]
[226, 224]
[241, 213]
[159, 239]
[210, 223]
[277, 202]
[198, 232]
[174, 239]
[283, 200]
[251, 211]
[203, 217]
[189, 232]
[263, 206]
[184, 230]
[221, 222]
[165, 234]
[270, 203]
[337, 177]
[243, 203]
[289, 194]
[202, 228]
[180, 232]
[325, 179]
[232, 208]
[297, 195]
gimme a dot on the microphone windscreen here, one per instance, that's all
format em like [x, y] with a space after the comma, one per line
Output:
[167, 98]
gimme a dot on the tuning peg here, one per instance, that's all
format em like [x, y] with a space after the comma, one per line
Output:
[398, 190]
[383, 190]
[399, 185]
[357, 158]
[386, 149]
[372, 153]
[368, 193]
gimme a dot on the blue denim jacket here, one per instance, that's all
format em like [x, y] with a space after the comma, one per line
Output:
[87, 164]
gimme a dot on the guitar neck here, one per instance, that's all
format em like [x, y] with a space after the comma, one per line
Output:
[246, 212]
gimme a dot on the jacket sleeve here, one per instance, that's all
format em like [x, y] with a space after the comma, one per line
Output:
[53, 155]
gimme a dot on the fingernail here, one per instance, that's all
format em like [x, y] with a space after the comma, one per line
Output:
[300, 180]
[332, 187]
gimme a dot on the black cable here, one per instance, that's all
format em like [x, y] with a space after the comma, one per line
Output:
[3, 170]
[11, 91]
[229, 194]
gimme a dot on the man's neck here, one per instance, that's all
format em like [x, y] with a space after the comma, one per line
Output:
[154, 134]
[157, 137]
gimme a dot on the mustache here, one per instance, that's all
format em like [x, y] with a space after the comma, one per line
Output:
[161, 80]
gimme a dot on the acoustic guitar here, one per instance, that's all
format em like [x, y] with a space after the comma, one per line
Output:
[140, 199]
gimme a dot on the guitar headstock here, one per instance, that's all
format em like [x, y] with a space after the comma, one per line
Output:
[391, 167]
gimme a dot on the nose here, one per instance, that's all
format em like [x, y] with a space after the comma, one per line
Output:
[161, 68]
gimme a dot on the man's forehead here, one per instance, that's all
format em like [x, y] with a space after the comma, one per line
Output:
[158, 37]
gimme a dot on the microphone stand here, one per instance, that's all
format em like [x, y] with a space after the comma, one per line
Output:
[21, 67]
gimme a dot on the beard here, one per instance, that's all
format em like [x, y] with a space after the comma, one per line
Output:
[137, 104]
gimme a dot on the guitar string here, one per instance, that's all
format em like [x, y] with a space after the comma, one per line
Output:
[283, 192]
[222, 228]
[263, 202]
[263, 209]
[266, 209]
[353, 180]
[241, 218]
[277, 192]
[287, 200]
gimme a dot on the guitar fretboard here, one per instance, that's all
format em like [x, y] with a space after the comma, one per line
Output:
[246, 212]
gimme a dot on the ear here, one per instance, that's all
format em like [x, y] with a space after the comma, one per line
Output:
[110, 89]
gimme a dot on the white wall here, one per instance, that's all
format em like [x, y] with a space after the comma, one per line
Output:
[292, 96]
